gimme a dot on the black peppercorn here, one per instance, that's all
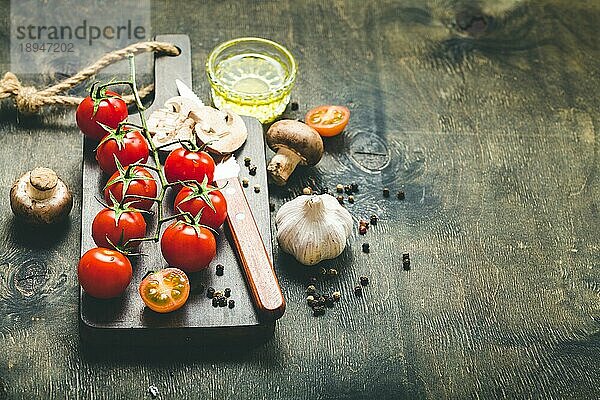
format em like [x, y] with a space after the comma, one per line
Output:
[340, 199]
[294, 106]
[324, 190]
[386, 192]
[215, 302]
[227, 292]
[332, 272]
[219, 269]
[210, 292]
[245, 182]
[354, 186]
[271, 207]
[318, 310]
[358, 290]
[374, 219]
[247, 161]
[231, 303]
[252, 170]
[405, 256]
[365, 247]
[339, 188]
[336, 296]
[400, 195]
[347, 189]
[311, 289]
[256, 188]
[364, 281]
[350, 199]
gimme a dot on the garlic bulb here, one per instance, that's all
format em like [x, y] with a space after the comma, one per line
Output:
[313, 228]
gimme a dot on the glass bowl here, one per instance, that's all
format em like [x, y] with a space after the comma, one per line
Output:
[251, 76]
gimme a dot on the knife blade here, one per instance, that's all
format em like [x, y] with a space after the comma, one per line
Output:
[250, 248]
[186, 92]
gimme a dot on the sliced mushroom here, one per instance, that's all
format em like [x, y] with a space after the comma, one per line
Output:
[167, 126]
[223, 132]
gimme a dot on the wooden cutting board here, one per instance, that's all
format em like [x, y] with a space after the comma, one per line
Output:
[125, 320]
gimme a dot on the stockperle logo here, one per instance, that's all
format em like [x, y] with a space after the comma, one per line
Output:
[63, 36]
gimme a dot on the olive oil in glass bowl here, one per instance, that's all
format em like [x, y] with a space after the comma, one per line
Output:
[251, 76]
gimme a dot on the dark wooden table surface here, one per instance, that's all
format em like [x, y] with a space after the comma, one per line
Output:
[485, 114]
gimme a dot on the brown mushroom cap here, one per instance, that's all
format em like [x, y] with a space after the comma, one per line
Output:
[297, 137]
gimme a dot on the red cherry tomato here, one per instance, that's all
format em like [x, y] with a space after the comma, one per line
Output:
[111, 109]
[188, 247]
[118, 226]
[104, 273]
[129, 146]
[166, 290]
[194, 199]
[328, 120]
[140, 183]
[182, 164]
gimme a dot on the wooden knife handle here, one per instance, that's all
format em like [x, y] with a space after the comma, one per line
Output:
[251, 250]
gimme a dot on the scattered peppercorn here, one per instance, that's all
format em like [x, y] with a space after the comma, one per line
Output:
[231, 303]
[252, 170]
[256, 188]
[400, 195]
[324, 190]
[354, 187]
[365, 247]
[247, 161]
[364, 281]
[321, 301]
[210, 292]
[406, 266]
[307, 190]
[311, 289]
[294, 106]
[362, 229]
[339, 188]
[227, 292]
[215, 302]
[318, 310]
[374, 219]
[222, 301]
[386, 192]
[310, 298]
[272, 207]
[347, 189]
[220, 269]
[358, 290]
[340, 199]
[245, 182]
[336, 296]
[350, 199]
[332, 272]
[405, 256]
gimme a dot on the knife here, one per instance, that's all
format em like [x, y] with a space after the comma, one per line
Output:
[248, 244]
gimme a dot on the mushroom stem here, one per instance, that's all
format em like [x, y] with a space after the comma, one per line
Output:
[42, 184]
[282, 165]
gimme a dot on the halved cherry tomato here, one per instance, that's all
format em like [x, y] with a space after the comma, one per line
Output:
[188, 246]
[194, 198]
[104, 273]
[166, 290]
[110, 110]
[328, 120]
[182, 164]
[118, 226]
[129, 146]
[139, 183]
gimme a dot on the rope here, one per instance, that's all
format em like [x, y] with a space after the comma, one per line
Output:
[28, 99]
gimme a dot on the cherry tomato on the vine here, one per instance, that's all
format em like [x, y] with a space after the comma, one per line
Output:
[188, 246]
[115, 226]
[128, 145]
[139, 183]
[108, 109]
[209, 199]
[182, 165]
[328, 120]
[104, 273]
[165, 290]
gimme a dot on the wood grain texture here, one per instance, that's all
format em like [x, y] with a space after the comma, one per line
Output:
[485, 114]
